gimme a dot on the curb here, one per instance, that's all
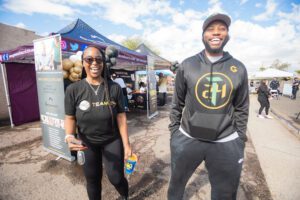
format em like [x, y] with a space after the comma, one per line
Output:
[290, 124]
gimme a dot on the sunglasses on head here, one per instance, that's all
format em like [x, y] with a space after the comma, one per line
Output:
[90, 60]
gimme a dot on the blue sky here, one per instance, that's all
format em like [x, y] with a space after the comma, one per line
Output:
[261, 31]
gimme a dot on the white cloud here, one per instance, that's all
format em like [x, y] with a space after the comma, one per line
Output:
[258, 5]
[179, 39]
[184, 18]
[117, 38]
[21, 25]
[216, 6]
[294, 16]
[42, 6]
[253, 44]
[269, 12]
[243, 2]
[129, 13]
[256, 45]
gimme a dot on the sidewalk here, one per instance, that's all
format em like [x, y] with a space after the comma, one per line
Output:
[287, 110]
[278, 151]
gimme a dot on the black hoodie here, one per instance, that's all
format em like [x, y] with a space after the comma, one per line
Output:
[210, 100]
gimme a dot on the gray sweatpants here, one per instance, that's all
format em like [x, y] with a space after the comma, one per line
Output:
[223, 161]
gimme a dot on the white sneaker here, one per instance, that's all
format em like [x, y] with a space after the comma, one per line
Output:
[268, 117]
[260, 116]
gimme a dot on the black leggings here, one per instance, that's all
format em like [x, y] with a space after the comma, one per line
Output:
[112, 155]
[264, 104]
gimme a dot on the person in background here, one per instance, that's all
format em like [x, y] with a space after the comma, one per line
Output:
[274, 85]
[121, 82]
[162, 88]
[143, 87]
[95, 107]
[129, 94]
[209, 114]
[295, 88]
[263, 98]
[129, 91]
[251, 84]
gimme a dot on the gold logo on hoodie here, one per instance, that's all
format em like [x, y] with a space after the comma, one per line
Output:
[213, 91]
[234, 68]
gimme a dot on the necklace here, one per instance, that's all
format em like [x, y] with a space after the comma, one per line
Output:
[95, 90]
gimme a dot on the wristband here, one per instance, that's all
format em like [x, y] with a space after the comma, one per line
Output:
[67, 136]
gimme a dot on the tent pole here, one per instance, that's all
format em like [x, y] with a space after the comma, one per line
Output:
[3, 69]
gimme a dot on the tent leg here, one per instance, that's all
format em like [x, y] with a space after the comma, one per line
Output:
[3, 69]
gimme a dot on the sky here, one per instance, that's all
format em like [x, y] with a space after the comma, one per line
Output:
[261, 30]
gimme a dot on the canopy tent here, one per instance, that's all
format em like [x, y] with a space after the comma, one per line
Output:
[271, 73]
[76, 36]
[159, 62]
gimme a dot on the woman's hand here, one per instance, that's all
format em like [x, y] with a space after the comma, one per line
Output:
[75, 144]
[127, 152]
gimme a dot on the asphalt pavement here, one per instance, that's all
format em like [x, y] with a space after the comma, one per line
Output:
[270, 171]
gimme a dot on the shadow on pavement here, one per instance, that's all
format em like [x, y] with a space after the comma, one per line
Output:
[150, 182]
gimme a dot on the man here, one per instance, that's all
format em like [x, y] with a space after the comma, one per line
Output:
[295, 88]
[121, 82]
[274, 85]
[209, 115]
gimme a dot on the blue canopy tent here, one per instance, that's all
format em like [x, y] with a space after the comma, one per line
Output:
[77, 35]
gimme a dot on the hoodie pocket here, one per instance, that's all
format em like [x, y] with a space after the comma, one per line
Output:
[208, 126]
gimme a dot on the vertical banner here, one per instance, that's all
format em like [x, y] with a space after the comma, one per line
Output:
[151, 89]
[49, 75]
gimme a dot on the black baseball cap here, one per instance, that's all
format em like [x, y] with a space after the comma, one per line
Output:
[216, 17]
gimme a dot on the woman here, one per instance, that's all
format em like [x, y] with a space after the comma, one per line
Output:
[263, 99]
[162, 89]
[295, 88]
[94, 105]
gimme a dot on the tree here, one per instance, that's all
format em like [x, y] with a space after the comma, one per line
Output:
[277, 64]
[297, 71]
[134, 42]
[262, 68]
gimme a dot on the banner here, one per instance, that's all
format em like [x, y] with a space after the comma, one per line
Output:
[48, 59]
[151, 89]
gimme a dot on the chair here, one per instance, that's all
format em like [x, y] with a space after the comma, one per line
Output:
[274, 94]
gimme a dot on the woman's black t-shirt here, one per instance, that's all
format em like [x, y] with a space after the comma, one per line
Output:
[91, 111]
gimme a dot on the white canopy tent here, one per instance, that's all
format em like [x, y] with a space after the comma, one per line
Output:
[270, 73]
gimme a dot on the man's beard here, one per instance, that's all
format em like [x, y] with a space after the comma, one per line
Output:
[215, 51]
